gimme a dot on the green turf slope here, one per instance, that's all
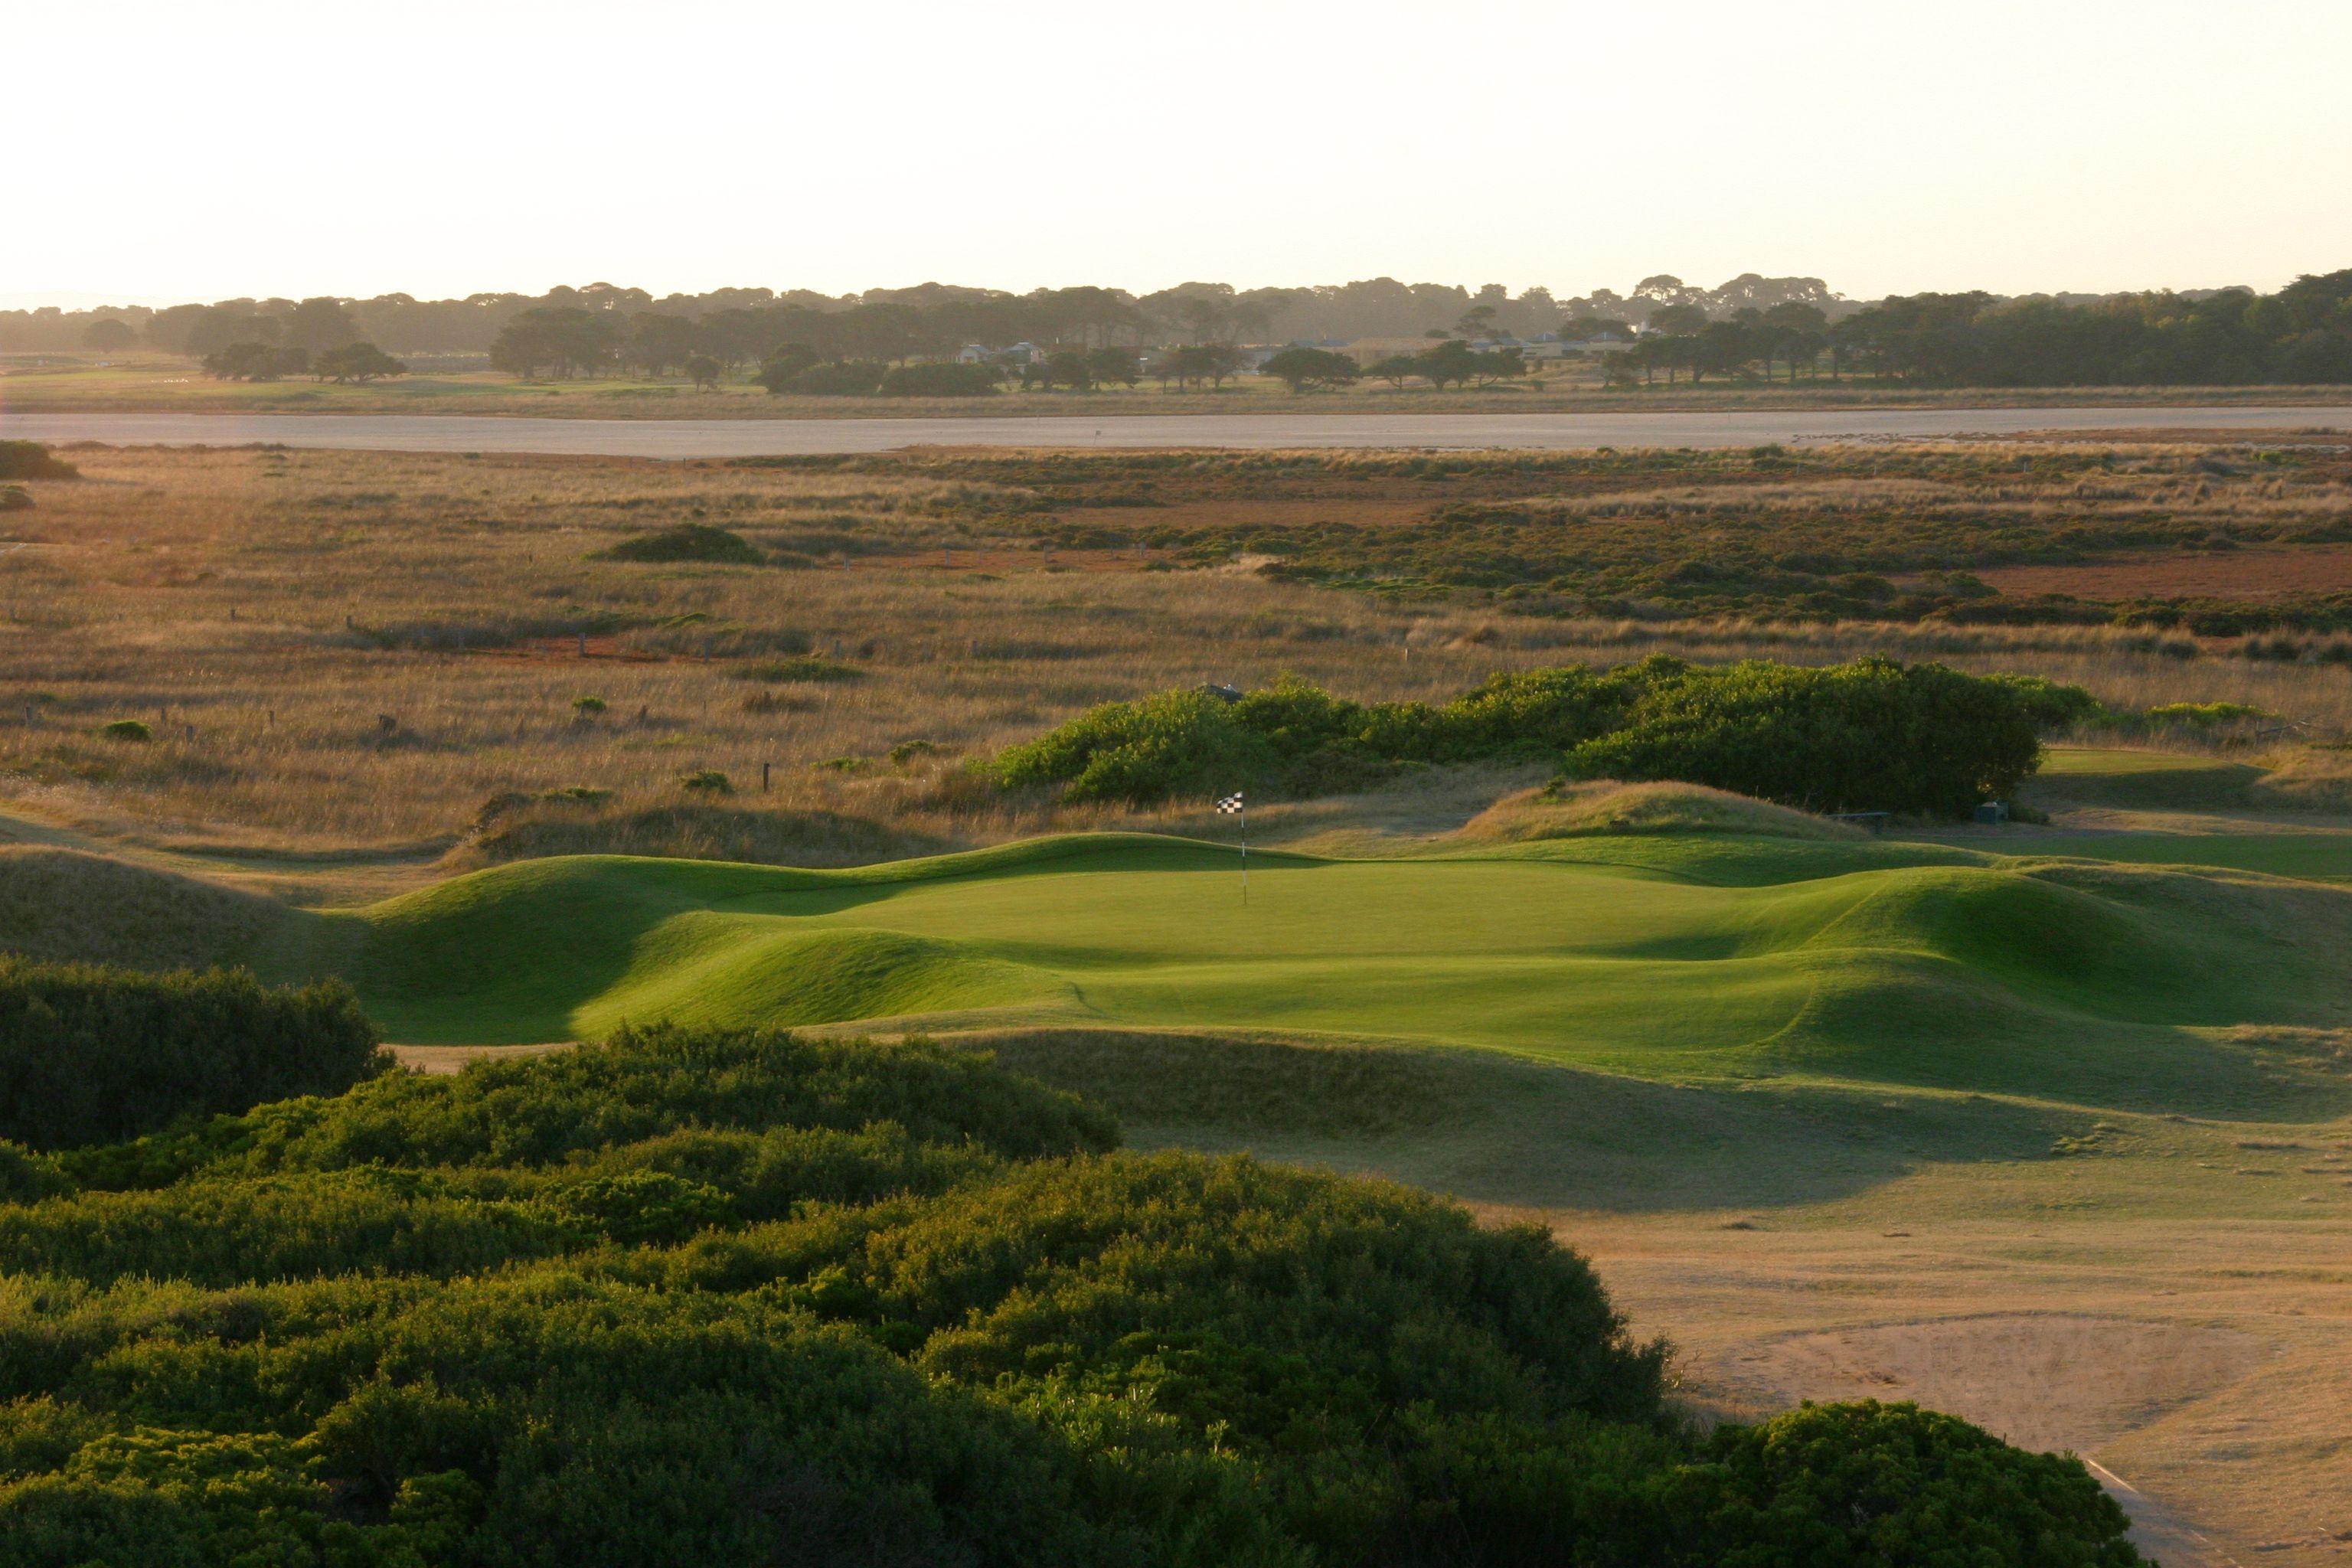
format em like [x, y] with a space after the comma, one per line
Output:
[1685, 959]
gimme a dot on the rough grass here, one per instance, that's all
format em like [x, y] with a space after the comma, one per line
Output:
[1569, 810]
[369, 647]
[1239, 1084]
[69, 906]
[688, 831]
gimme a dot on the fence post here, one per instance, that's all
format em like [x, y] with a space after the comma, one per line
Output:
[763, 778]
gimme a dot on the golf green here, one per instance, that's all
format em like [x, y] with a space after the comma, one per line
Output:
[1675, 957]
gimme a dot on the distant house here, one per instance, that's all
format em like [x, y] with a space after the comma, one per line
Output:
[1014, 355]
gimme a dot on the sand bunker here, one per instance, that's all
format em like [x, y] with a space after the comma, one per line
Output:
[2045, 1381]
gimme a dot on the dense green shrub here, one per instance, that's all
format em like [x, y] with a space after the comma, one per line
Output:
[31, 460]
[1870, 735]
[88, 1053]
[1855, 1486]
[946, 379]
[1873, 735]
[741, 1298]
[2050, 704]
[686, 542]
[842, 378]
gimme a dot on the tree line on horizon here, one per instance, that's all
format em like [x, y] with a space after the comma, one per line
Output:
[1750, 328]
[1193, 312]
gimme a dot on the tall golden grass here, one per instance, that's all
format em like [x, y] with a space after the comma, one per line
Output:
[336, 649]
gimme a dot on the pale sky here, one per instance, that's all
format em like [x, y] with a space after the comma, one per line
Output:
[168, 150]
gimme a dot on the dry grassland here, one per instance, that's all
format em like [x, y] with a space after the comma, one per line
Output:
[337, 651]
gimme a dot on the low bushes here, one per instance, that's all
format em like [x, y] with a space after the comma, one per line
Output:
[686, 542]
[739, 1298]
[948, 379]
[1873, 735]
[1870, 735]
[31, 460]
[90, 1053]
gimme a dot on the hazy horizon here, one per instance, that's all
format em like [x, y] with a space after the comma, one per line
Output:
[255, 147]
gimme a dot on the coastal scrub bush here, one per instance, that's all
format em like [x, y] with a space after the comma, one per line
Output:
[686, 541]
[945, 379]
[90, 1053]
[1870, 735]
[739, 1297]
[31, 460]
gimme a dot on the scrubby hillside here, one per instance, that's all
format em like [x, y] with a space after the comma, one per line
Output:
[739, 1298]
[86, 909]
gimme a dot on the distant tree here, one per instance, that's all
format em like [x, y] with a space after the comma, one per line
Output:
[1451, 362]
[1395, 369]
[222, 326]
[1498, 364]
[1066, 367]
[170, 329]
[841, 378]
[703, 370]
[356, 362]
[1220, 362]
[1478, 321]
[1792, 331]
[1678, 321]
[319, 324]
[563, 339]
[784, 362]
[255, 361]
[655, 343]
[107, 335]
[1115, 365]
[1301, 369]
[1586, 327]
[1188, 366]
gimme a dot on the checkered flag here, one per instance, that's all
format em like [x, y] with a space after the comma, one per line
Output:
[1230, 803]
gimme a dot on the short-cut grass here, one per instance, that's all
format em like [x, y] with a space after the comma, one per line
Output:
[1669, 957]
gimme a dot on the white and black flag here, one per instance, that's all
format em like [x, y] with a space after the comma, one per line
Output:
[1230, 803]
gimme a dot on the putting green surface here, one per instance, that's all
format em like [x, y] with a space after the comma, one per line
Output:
[1684, 958]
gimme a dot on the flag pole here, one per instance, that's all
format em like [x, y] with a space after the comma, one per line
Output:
[1245, 817]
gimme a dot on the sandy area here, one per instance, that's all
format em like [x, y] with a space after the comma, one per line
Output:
[2203, 1367]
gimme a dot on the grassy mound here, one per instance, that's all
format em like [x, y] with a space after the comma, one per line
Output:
[692, 831]
[706, 968]
[686, 541]
[1666, 956]
[1603, 806]
[2077, 777]
[69, 906]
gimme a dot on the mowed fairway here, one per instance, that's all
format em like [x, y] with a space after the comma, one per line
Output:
[1666, 959]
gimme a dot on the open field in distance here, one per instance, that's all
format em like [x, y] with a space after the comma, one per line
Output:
[336, 650]
[44, 384]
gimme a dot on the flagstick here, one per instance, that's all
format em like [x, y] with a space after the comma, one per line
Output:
[1243, 814]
